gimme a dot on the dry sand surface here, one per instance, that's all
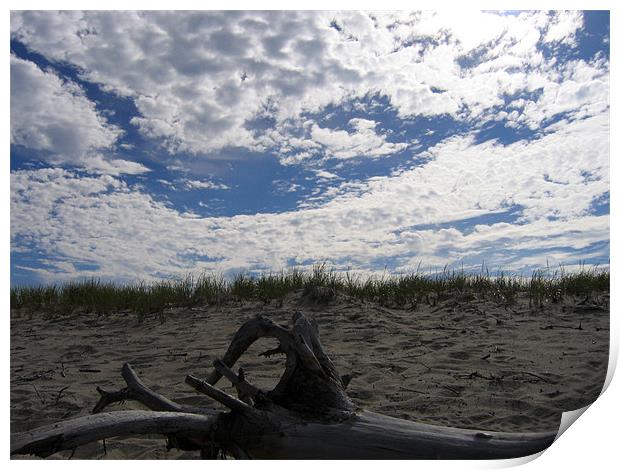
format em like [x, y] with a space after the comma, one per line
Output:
[458, 361]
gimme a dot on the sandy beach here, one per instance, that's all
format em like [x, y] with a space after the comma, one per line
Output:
[461, 361]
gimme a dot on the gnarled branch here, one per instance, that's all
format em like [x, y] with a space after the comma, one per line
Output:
[246, 392]
[222, 397]
[139, 392]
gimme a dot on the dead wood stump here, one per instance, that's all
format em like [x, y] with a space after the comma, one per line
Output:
[307, 415]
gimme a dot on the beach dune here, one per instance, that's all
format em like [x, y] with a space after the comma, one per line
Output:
[462, 361]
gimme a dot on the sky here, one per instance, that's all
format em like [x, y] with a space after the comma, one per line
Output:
[149, 145]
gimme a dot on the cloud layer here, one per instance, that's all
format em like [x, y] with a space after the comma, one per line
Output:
[420, 138]
[125, 233]
[199, 78]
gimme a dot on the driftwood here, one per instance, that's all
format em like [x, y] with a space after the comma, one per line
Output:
[307, 415]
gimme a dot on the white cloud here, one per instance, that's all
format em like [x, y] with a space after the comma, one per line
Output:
[204, 184]
[199, 78]
[564, 26]
[583, 90]
[54, 117]
[325, 174]
[179, 184]
[362, 142]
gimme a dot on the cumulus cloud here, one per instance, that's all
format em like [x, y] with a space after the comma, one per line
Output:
[198, 79]
[204, 184]
[53, 117]
[179, 184]
[563, 27]
[362, 142]
[583, 90]
[325, 174]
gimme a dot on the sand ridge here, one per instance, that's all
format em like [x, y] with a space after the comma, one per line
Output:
[462, 361]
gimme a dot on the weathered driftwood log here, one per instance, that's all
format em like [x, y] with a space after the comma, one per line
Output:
[307, 415]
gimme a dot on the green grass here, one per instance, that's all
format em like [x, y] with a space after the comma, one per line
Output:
[407, 289]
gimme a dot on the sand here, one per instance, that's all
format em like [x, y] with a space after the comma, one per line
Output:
[460, 361]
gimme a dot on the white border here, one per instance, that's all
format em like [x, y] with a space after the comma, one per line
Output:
[591, 442]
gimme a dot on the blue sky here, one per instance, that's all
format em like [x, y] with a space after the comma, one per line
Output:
[150, 145]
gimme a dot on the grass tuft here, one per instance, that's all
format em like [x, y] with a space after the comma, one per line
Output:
[94, 295]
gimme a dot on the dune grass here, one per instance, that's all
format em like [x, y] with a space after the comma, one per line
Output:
[103, 297]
